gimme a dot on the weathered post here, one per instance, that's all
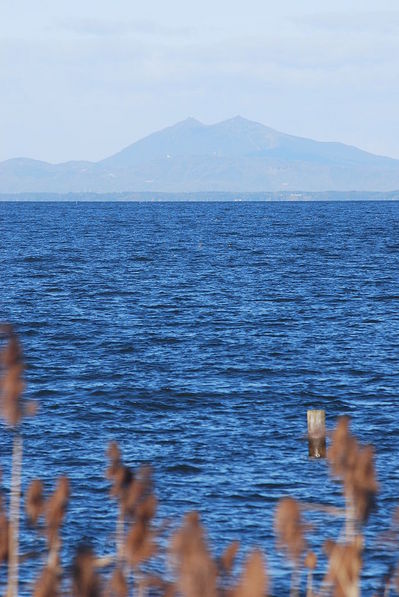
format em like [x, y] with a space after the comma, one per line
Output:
[317, 433]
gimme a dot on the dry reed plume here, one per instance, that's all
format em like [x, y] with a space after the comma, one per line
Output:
[192, 569]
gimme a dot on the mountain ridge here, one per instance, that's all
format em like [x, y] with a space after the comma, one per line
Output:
[232, 155]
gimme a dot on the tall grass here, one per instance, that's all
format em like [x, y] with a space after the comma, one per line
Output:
[192, 570]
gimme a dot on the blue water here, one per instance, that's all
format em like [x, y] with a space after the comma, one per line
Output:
[197, 336]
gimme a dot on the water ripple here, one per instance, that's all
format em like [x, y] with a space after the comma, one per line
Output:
[197, 335]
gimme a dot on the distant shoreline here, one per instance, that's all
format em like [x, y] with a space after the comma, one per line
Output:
[160, 197]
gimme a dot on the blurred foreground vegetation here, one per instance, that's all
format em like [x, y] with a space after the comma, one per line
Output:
[189, 568]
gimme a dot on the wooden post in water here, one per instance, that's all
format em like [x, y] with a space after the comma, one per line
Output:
[317, 433]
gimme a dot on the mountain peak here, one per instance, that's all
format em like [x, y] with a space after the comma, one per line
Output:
[238, 118]
[240, 123]
[189, 122]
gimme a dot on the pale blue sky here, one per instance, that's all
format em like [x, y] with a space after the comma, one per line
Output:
[80, 79]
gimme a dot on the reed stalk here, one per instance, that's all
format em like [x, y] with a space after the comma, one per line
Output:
[387, 588]
[294, 589]
[120, 527]
[53, 555]
[309, 584]
[349, 519]
[140, 582]
[326, 508]
[15, 500]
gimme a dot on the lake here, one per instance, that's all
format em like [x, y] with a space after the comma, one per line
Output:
[197, 335]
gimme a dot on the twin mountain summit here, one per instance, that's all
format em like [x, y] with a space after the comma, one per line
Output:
[235, 155]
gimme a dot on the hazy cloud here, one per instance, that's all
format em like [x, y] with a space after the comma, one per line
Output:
[109, 27]
[75, 85]
[381, 21]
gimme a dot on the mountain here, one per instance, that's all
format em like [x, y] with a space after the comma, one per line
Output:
[234, 155]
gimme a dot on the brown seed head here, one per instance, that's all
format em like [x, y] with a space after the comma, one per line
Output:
[47, 585]
[253, 582]
[311, 560]
[3, 538]
[55, 508]
[121, 477]
[113, 452]
[354, 466]
[85, 580]
[364, 483]
[140, 545]
[289, 528]
[344, 567]
[117, 586]
[134, 493]
[342, 450]
[31, 409]
[11, 381]
[147, 508]
[193, 564]
[228, 557]
[328, 546]
[34, 503]
[1, 497]
[115, 460]
[138, 500]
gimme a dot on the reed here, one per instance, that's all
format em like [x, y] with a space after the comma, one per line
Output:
[191, 570]
[12, 409]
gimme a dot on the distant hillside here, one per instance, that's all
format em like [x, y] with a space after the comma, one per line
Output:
[236, 155]
[210, 196]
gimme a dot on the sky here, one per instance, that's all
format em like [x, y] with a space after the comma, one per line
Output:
[81, 79]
